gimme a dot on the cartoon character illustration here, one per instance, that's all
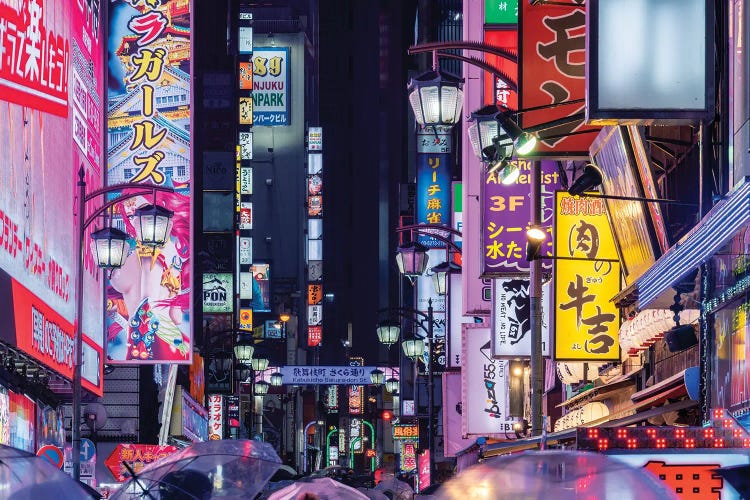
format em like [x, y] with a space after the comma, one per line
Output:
[150, 294]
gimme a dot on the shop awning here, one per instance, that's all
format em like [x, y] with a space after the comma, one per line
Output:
[553, 439]
[684, 383]
[601, 392]
[713, 232]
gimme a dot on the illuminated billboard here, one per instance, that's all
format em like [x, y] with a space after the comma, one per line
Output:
[148, 299]
[51, 95]
[587, 322]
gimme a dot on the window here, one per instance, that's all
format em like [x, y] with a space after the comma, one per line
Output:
[181, 170]
[128, 173]
[168, 171]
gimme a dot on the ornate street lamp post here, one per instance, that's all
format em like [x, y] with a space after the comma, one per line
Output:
[110, 247]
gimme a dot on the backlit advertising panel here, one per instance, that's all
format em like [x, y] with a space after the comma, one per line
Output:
[511, 318]
[633, 225]
[270, 99]
[22, 422]
[496, 90]
[51, 101]
[506, 214]
[553, 50]
[149, 308]
[587, 322]
[484, 387]
[433, 193]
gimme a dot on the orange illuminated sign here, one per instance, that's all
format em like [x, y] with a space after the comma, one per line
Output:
[405, 431]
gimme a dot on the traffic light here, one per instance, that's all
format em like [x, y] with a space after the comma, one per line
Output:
[387, 415]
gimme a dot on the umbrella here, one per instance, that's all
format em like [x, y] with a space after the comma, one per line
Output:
[398, 489]
[323, 488]
[561, 475]
[24, 476]
[374, 494]
[229, 468]
[739, 477]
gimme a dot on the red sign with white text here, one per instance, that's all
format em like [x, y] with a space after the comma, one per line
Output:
[553, 51]
[499, 93]
[35, 54]
[314, 335]
[137, 456]
[48, 337]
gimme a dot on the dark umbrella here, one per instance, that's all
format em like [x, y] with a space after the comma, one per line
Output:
[738, 476]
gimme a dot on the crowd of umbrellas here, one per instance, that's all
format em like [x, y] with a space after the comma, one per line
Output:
[234, 469]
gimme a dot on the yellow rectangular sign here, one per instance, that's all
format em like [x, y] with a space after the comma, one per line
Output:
[587, 276]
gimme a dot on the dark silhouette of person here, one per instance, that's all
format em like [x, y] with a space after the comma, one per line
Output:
[185, 485]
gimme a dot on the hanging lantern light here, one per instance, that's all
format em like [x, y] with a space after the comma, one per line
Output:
[388, 334]
[413, 348]
[110, 246]
[440, 275]
[436, 98]
[412, 259]
[259, 364]
[152, 225]
[261, 388]
[391, 385]
[377, 377]
[277, 379]
[243, 351]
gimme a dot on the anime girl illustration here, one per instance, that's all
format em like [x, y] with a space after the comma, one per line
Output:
[149, 296]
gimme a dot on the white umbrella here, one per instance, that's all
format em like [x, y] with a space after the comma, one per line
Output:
[324, 488]
[399, 489]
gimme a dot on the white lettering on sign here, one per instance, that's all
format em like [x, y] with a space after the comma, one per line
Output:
[51, 340]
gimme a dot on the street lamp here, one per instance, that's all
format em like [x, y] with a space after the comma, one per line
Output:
[440, 275]
[391, 385]
[411, 259]
[277, 379]
[259, 364]
[261, 388]
[243, 351]
[388, 333]
[436, 97]
[110, 251]
[377, 377]
[415, 349]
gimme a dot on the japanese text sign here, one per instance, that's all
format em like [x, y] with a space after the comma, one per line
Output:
[405, 431]
[314, 294]
[137, 456]
[215, 416]
[496, 90]
[271, 86]
[314, 335]
[35, 54]
[553, 71]
[587, 322]
[500, 11]
[433, 193]
[149, 315]
[326, 375]
[408, 456]
[506, 214]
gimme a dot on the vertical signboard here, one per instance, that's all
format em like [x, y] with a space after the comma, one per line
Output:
[496, 89]
[150, 143]
[426, 292]
[51, 94]
[215, 417]
[314, 237]
[553, 51]
[484, 387]
[587, 322]
[501, 11]
[271, 86]
[433, 180]
[506, 214]
[511, 318]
